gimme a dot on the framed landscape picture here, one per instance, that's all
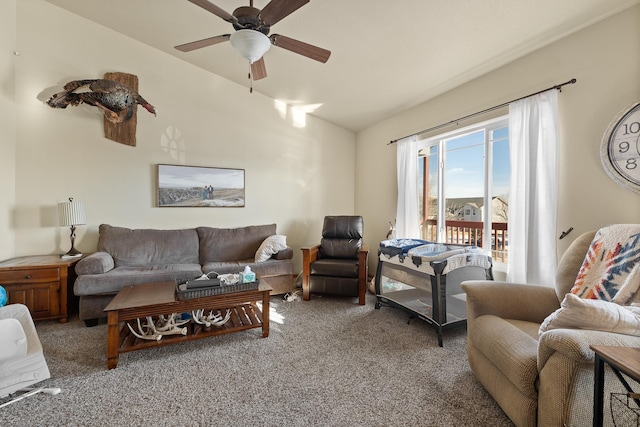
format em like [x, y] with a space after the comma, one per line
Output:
[180, 186]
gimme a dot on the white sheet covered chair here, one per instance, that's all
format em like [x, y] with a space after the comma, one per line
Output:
[22, 361]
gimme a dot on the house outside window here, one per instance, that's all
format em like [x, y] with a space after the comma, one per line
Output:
[464, 186]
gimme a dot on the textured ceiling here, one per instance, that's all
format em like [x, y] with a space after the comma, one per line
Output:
[387, 56]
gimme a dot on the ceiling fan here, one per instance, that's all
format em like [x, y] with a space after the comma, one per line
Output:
[251, 38]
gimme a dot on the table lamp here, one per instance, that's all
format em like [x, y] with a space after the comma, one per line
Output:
[72, 213]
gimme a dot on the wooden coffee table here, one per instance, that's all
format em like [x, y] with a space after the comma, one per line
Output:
[154, 299]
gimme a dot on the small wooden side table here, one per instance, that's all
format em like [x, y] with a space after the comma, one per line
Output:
[44, 283]
[622, 360]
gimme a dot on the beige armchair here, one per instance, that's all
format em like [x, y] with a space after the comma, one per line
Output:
[544, 380]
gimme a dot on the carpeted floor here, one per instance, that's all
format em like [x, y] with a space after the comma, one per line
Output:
[327, 362]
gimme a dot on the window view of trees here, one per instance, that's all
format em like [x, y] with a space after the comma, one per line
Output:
[464, 187]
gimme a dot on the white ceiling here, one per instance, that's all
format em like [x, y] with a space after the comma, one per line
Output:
[387, 56]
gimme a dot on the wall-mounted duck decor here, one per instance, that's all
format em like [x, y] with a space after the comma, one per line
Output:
[116, 96]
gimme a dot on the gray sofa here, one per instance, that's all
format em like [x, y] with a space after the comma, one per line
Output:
[132, 256]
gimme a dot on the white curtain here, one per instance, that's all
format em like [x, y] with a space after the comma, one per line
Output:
[407, 211]
[533, 192]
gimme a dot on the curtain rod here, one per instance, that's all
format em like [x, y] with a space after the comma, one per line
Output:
[558, 87]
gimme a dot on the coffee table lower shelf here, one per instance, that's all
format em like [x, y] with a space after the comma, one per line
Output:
[246, 316]
[155, 299]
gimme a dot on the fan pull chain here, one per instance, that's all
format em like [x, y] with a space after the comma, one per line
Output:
[250, 80]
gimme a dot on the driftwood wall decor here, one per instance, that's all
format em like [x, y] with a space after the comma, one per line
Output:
[125, 132]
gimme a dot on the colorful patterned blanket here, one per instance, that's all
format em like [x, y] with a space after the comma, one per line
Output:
[611, 269]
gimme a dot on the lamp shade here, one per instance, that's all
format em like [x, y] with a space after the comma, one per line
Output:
[251, 44]
[71, 213]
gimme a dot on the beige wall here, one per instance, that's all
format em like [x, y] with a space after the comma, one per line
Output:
[604, 58]
[294, 175]
[7, 126]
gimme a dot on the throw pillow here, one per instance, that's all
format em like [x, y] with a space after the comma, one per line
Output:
[597, 315]
[270, 246]
[611, 268]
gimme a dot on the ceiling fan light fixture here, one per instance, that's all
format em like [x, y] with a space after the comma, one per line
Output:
[251, 44]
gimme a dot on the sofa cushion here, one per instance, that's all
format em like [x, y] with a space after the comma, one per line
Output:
[334, 267]
[343, 227]
[116, 279]
[340, 248]
[341, 236]
[232, 244]
[144, 247]
[512, 346]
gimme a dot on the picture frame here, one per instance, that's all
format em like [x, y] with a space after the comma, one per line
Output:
[200, 186]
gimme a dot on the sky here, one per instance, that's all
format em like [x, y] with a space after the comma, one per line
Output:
[464, 165]
[171, 176]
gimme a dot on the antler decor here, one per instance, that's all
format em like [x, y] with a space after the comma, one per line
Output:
[154, 331]
[211, 319]
[148, 329]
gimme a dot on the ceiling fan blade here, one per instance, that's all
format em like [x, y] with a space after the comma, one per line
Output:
[275, 10]
[302, 48]
[206, 5]
[258, 69]
[188, 47]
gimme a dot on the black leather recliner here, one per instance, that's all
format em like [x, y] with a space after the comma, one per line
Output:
[338, 265]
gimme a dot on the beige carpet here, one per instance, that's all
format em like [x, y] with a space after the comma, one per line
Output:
[327, 362]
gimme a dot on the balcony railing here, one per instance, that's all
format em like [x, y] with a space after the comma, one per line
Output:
[471, 233]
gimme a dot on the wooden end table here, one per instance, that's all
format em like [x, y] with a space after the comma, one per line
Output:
[622, 360]
[154, 299]
[44, 283]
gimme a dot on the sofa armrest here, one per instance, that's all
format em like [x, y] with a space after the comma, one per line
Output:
[565, 371]
[283, 254]
[96, 263]
[574, 344]
[363, 256]
[531, 303]
[309, 255]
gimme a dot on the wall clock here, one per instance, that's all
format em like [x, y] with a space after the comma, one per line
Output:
[620, 148]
